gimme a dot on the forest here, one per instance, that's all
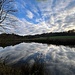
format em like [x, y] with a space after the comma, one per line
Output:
[58, 38]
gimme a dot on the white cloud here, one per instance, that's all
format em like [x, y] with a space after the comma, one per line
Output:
[52, 15]
[58, 10]
[30, 14]
[61, 58]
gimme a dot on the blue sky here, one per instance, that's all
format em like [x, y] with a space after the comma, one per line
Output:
[36, 17]
[29, 10]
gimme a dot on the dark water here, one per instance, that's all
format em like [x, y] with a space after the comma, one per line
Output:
[59, 60]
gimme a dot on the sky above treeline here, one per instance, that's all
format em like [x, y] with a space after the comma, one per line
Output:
[35, 17]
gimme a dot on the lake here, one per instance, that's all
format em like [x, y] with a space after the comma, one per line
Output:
[58, 60]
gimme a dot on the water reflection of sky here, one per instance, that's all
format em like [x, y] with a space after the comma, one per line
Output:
[57, 58]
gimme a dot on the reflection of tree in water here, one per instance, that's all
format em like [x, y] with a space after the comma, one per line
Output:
[34, 64]
[39, 63]
[52, 60]
[35, 58]
[52, 67]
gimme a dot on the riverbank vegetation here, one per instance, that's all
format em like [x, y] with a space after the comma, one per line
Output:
[35, 69]
[58, 38]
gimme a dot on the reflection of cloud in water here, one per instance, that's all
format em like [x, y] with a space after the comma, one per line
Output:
[57, 58]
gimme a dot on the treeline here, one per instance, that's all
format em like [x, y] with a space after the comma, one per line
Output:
[10, 39]
[5, 36]
[66, 33]
[52, 34]
[65, 38]
[17, 37]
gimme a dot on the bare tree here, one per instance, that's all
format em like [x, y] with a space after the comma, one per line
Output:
[6, 7]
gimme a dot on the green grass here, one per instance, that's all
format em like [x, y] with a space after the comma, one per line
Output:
[58, 40]
[54, 38]
[62, 37]
[64, 40]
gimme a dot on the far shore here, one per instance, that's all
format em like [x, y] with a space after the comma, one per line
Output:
[48, 38]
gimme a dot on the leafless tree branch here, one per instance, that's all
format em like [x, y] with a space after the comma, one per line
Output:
[6, 6]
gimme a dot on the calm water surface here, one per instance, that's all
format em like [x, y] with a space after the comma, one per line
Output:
[60, 60]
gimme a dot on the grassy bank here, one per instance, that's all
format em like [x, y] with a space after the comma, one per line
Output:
[35, 69]
[64, 40]
[52, 38]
